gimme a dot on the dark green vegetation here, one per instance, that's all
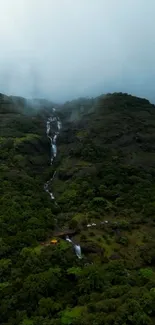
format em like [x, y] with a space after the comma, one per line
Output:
[105, 172]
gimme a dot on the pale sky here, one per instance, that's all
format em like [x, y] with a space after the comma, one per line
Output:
[63, 49]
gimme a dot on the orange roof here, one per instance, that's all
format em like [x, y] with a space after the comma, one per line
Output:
[54, 241]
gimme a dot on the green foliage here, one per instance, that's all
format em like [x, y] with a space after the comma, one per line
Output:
[147, 273]
[74, 314]
[105, 179]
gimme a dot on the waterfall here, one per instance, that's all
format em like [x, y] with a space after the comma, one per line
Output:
[53, 147]
[68, 239]
[78, 251]
[77, 248]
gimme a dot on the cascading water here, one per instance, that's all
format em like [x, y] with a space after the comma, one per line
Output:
[56, 119]
[53, 148]
[78, 251]
[77, 248]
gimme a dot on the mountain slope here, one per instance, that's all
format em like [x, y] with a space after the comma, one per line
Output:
[112, 148]
[24, 156]
[104, 188]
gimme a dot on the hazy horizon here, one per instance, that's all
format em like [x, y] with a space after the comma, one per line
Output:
[62, 50]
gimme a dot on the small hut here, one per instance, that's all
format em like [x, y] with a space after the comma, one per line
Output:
[54, 241]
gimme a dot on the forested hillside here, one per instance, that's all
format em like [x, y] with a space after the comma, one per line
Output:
[104, 190]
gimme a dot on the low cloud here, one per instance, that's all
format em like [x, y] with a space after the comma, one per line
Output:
[63, 49]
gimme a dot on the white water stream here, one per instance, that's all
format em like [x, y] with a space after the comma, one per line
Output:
[53, 139]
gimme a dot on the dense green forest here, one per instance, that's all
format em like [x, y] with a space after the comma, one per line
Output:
[105, 176]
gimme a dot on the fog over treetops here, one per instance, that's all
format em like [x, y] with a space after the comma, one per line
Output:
[63, 49]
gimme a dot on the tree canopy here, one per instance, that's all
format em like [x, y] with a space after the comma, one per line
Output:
[104, 190]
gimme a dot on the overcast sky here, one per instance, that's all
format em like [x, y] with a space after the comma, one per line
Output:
[63, 49]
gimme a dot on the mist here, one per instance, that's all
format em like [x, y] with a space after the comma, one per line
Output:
[64, 49]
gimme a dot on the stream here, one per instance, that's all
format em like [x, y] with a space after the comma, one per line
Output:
[53, 139]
